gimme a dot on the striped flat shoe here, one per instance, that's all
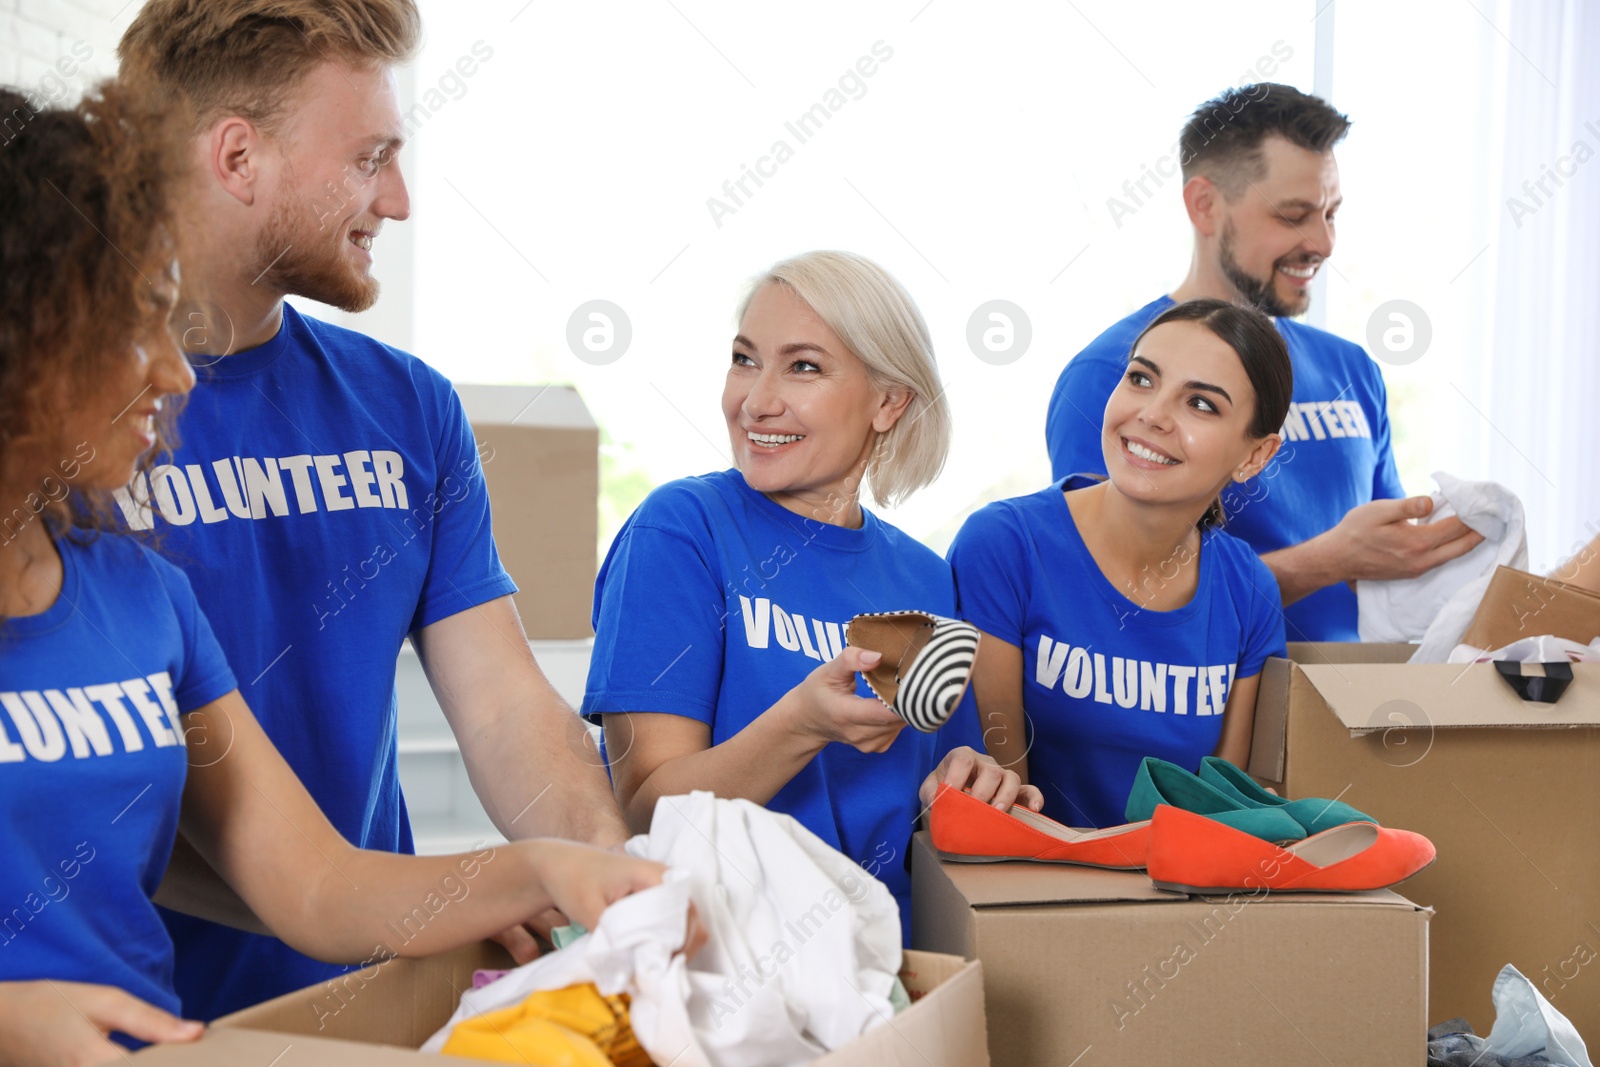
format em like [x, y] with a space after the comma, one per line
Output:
[927, 663]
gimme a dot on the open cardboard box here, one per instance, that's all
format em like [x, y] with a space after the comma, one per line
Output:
[540, 451]
[1508, 791]
[1518, 604]
[1086, 966]
[378, 1017]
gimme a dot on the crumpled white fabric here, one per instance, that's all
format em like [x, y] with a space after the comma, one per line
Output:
[1546, 648]
[1437, 607]
[1526, 1024]
[803, 952]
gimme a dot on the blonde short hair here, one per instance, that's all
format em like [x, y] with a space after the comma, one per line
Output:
[246, 57]
[879, 322]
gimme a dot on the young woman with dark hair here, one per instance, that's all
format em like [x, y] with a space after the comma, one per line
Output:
[1120, 620]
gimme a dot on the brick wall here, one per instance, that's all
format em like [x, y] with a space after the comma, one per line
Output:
[56, 48]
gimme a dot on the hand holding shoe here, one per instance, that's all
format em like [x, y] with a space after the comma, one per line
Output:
[980, 776]
[825, 707]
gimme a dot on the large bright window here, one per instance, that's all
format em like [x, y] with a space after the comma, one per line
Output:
[656, 154]
[1467, 194]
[1018, 152]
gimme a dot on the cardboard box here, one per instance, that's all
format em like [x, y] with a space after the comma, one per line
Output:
[1518, 604]
[541, 459]
[1507, 791]
[378, 1017]
[1084, 966]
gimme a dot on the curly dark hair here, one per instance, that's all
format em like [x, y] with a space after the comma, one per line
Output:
[88, 254]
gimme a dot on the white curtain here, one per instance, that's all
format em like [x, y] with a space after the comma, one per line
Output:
[1539, 366]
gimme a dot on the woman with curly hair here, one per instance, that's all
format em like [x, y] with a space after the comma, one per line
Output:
[121, 724]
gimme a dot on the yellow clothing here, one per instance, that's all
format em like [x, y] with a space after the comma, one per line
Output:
[571, 1027]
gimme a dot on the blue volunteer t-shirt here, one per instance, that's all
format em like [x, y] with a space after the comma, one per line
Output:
[327, 499]
[1106, 681]
[1336, 450]
[714, 602]
[92, 766]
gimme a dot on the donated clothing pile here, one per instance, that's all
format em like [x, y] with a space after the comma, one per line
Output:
[1437, 607]
[802, 957]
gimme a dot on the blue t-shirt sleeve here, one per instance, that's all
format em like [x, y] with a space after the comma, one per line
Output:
[1386, 476]
[204, 675]
[1077, 410]
[1264, 627]
[992, 561]
[658, 627]
[464, 567]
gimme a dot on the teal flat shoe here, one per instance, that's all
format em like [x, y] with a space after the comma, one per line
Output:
[1313, 814]
[1159, 782]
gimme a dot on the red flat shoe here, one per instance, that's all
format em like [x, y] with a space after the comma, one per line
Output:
[968, 830]
[1190, 853]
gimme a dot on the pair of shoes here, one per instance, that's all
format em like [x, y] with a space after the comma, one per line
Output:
[1184, 852]
[1190, 853]
[926, 665]
[1314, 814]
[968, 830]
[1231, 797]
[1326, 846]
[1159, 782]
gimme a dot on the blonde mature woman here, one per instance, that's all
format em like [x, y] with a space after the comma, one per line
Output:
[719, 657]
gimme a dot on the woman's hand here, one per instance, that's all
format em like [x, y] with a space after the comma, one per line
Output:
[582, 881]
[825, 707]
[50, 1022]
[522, 940]
[969, 769]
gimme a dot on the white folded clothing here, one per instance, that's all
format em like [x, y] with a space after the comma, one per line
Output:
[1436, 608]
[803, 952]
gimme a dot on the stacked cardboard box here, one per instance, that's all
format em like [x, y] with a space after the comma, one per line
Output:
[1085, 966]
[541, 460]
[1507, 790]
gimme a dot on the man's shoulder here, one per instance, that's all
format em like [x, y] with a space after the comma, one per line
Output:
[360, 353]
[1319, 341]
